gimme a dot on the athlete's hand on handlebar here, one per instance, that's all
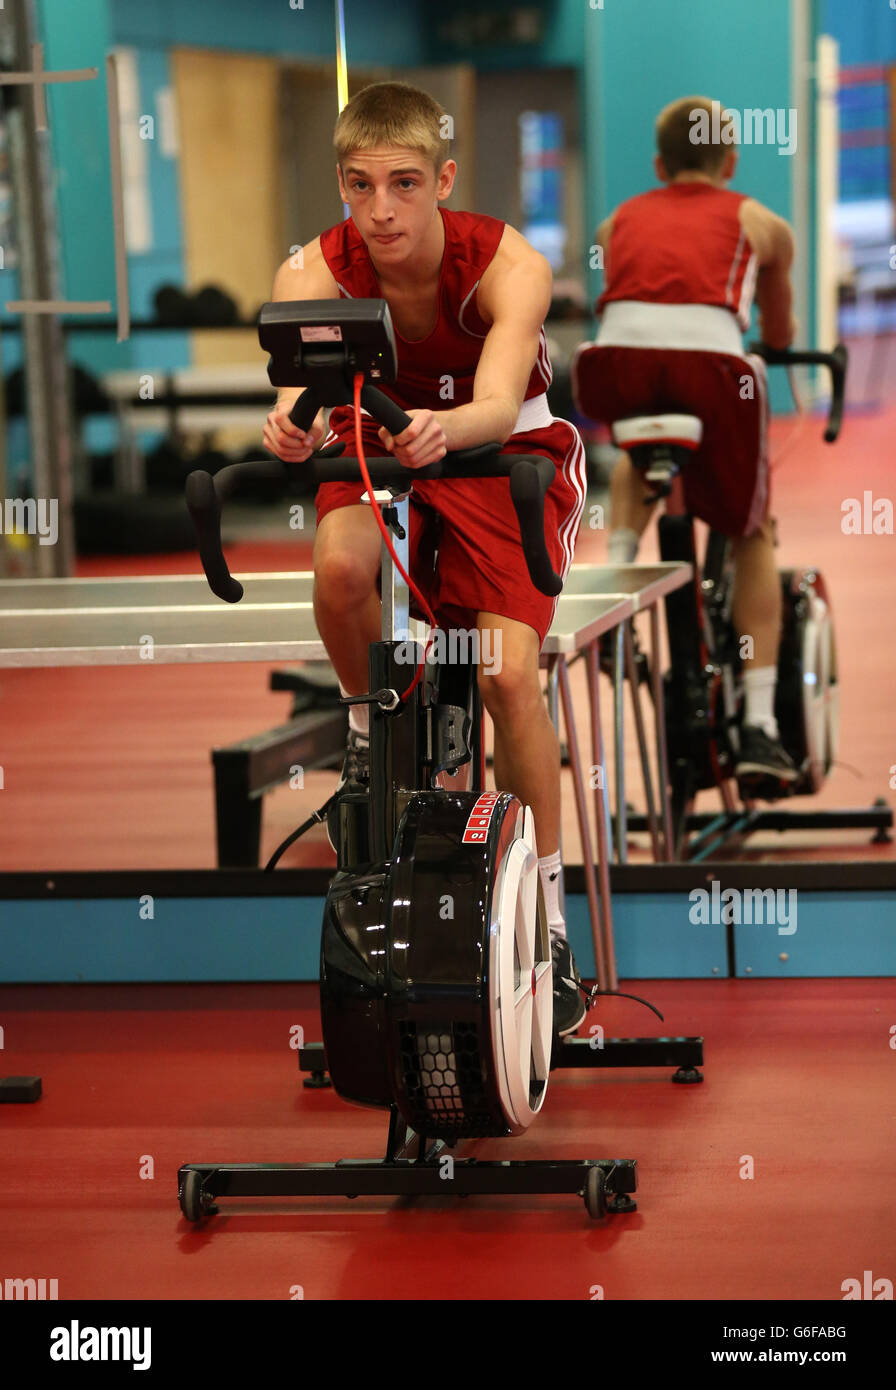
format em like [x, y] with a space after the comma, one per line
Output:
[286, 440]
[421, 443]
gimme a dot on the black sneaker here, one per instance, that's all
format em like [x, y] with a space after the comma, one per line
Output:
[763, 763]
[569, 1002]
[355, 778]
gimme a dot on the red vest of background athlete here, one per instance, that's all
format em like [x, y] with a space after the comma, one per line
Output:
[436, 372]
[682, 244]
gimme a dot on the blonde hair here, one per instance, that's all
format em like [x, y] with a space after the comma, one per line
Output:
[674, 142]
[392, 113]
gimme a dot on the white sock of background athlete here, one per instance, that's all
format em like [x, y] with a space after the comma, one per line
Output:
[358, 715]
[623, 547]
[550, 871]
[759, 698]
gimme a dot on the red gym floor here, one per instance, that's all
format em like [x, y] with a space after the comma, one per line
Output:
[108, 769]
[798, 1080]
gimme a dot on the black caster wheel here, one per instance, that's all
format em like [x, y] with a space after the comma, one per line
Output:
[688, 1076]
[319, 1081]
[195, 1204]
[620, 1203]
[596, 1193]
[881, 835]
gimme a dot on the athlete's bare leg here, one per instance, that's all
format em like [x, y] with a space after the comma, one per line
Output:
[526, 750]
[346, 603]
[756, 604]
[628, 510]
[756, 608]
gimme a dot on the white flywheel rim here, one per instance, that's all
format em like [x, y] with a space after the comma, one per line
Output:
[521, 979]
[815, 693]
[831, 695]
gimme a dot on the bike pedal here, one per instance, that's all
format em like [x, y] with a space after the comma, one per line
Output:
[765, 789]
[591, 994]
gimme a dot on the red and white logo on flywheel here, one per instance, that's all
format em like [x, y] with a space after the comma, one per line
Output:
[476, 829]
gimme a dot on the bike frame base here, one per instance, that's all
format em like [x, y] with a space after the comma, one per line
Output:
[412, 1167]
[430, 1172]
[417, 1177]
[715, 832]
[684, 1053]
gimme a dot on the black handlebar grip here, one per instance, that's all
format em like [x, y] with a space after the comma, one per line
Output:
[835, 361]
[839, 359]
[385, 410]
[204, 506]
[204, 495]
[529, 481]
[305, 409]
[775, 357]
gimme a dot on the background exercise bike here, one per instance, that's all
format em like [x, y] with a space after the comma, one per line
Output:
[703, 686]
[436, 977]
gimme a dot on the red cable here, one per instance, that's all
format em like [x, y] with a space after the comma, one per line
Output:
[359, 444]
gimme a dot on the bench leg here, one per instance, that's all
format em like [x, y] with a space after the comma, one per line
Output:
[237, 822]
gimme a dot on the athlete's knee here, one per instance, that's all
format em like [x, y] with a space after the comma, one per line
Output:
[510, 683]
[769, 531]
[346, 557]
[766, 534]
[343, 578]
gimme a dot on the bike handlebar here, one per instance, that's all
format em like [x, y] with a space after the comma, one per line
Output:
[530, 477]
[835, 361]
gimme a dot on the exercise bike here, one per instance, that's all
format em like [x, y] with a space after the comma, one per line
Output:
[436, 983]
[703, 688]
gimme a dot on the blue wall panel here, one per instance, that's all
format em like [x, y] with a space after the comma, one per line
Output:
[654, 939]
[836, 935]
[864, 29]
[105, 940]
[376, 32]
[269, 938]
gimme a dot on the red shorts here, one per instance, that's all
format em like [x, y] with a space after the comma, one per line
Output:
[472, 525]
[726, 483]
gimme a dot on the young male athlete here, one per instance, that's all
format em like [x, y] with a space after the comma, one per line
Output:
[468, 296]
[682, 264]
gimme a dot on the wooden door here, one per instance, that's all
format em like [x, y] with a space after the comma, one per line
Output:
[228, 125]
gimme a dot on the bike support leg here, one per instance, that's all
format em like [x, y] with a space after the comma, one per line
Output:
[634, 686]
[601, 795]
[659, 714]
[619, 743]
[601, 921]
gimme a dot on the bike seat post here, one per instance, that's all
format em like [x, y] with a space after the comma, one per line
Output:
[394, 734]
[395, 595]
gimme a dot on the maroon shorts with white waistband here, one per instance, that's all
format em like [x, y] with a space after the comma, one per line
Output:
[472, 524]
[726, 482]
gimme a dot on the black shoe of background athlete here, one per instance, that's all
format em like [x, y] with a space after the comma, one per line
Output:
[764, 768]
[355, 778]
[569, 1002]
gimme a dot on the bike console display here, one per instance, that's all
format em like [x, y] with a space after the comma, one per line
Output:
[306, 337]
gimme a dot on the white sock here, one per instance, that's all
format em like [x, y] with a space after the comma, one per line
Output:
[358, 715]
[623, 547]
[759, 698]
[551, 873]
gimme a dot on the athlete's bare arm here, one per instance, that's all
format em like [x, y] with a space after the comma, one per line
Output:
[514, 297]
[313, 281]
[602, 239]
[772, 240]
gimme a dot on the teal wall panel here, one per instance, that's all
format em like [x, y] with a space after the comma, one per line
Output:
[104, 939]
[836, 935]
